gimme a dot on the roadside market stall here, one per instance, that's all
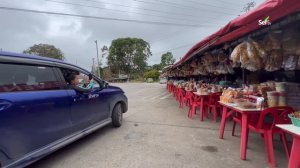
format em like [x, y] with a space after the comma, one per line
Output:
[257, 57]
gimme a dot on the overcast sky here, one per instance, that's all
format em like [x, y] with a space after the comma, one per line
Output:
[75, 36]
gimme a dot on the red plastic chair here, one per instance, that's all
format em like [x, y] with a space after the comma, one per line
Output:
[268, 129]
[193, 106]
[188, 98]
[196, 102]
[182, 97]
[213, 105]
[178, 94]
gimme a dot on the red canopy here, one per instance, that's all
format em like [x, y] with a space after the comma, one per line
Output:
[246, 23]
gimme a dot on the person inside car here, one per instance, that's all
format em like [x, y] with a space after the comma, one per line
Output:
[73, 80]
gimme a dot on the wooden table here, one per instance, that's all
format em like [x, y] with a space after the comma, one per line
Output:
[201, 99]
[294, 161]
[228, 109]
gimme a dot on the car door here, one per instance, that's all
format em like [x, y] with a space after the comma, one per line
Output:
[103, 99]
[34, 109]
[85, 107]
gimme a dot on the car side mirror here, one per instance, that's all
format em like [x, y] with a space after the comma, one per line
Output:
[90, 76]
[105, 84]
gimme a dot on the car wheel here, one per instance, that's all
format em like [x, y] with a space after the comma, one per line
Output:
[117, 115]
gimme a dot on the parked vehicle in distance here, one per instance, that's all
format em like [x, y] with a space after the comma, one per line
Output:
[40, 112]
[162, 80]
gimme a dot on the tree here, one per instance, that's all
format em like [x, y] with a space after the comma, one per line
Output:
[156, 67]
[107, 73]
[167, 59]
[248, 6]
[154, 74]
[45, 50]
[128, 55]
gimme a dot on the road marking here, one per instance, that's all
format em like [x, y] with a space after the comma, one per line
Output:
[165, 96]
[155, 97]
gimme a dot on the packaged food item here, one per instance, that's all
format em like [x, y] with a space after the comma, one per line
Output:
[291, 62]
[238, 51]
[252, 52]
[260, 102]
[260, 50]
[274, 60]
[290, 40]
[282, 99]
[272, 41]
[280, 86]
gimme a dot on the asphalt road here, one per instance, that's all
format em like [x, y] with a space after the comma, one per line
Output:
[156, 133]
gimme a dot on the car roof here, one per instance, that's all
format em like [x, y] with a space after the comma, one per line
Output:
[39, 58]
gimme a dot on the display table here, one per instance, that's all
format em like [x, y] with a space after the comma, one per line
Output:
[228, 109]
[201, 99]
[294, 161]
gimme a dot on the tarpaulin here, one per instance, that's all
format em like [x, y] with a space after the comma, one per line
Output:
[246, 23]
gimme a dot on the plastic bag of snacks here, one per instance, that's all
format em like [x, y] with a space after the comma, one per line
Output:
[274, 61]
[238, 51]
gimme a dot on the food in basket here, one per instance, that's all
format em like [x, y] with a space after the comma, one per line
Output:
[229, 95]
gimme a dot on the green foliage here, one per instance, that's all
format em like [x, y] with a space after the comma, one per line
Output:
[154, 74]
[167, 59]
[128, 55]
[45, 50]
[157, 67]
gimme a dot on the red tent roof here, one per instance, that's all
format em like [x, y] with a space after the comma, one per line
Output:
[246, 23]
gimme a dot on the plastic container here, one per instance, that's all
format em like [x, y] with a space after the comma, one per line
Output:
[280, 86]
[295, 121]
[273, 101]
[272, 94]
[282, 99]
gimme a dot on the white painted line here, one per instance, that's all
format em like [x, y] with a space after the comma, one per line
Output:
[155, 97]
[166, 96]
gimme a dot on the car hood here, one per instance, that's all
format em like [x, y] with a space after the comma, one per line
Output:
[115, 88]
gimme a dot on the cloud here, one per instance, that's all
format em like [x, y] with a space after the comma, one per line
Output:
[76, 36]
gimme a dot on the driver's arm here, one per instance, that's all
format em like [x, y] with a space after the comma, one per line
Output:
[81, 89]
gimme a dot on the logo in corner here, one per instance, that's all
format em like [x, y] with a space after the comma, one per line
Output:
[265, 22]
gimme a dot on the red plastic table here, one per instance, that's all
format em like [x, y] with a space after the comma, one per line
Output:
[294, 161]
[228, 109]
[201, 98]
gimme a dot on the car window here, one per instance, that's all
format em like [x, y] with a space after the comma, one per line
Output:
[83, 79]
[96, 84]
[16, 78]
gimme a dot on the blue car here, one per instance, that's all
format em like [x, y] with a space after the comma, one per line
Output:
[41, 112]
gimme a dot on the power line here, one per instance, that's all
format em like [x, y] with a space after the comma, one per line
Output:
[145, 9]
[226, 2]
[192, 7]
[167, 36]
[97, 7]
[215, 6]
[176, 5]
[175, 48]
[97, 17]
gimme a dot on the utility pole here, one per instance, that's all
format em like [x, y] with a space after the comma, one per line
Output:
[98, 67]
[93, 67]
